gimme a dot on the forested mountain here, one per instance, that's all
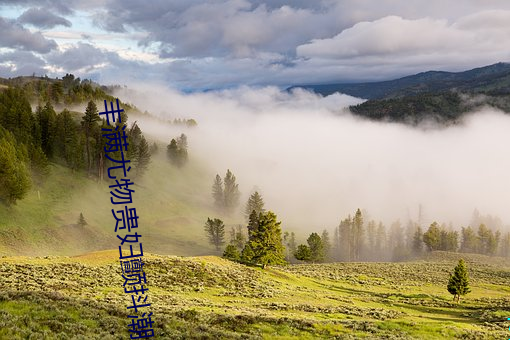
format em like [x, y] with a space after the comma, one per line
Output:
[493, 79]
[433, 95]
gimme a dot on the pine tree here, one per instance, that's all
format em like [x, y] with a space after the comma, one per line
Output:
[470, 243]
[67, 138]
[371, 238]
[505, 245]
[172, 152]
[237, 237]
[230, 192]
[266, 241]
[289, 240]
[316, 247]
[81, 220]
[46, 117]
[215, 230]
[14, 175]
[217, 193]
[336, 245]
[432, 237]
[458, 284]
[247, 254]
[142, 158]
[177, 151]
[418, 241]
[357, 234]
[154, 148]
[255, 203]
[231, 253]
[303, 253]
[89, 122]
[381, 246]
[326, 243]
[253, 225]
[345, 232]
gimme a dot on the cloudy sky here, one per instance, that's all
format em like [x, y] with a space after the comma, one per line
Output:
[198, 44]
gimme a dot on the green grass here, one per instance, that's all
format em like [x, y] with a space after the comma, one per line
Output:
[211, 298]
[173, 205]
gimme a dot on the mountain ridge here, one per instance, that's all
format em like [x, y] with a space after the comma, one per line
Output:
[491, 78]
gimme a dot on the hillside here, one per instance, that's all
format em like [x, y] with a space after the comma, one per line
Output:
[443, 97]
[488, 79]
[172, 213]
[211, 298]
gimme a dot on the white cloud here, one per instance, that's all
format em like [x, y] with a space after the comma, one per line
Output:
[427, 41]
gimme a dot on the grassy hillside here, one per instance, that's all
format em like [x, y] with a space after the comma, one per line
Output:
[172, 204]
[211, 298]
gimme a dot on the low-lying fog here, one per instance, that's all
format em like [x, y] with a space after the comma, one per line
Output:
[315, 163]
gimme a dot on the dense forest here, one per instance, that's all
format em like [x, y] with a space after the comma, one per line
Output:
[30, 140]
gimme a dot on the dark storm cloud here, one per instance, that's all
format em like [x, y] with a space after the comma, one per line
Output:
[16, 36]
[42, 18]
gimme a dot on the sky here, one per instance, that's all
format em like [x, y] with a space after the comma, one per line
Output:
[193, 45]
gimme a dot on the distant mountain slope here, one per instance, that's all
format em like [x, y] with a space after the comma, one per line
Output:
[493, 79]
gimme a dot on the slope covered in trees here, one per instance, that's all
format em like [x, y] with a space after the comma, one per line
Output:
[440, 96]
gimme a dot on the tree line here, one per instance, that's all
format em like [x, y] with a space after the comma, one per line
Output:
[357, 240]
[30, 140]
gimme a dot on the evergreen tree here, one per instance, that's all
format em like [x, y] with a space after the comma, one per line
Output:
[231, 253]
[172, 152]
[345, 231]
[316, 247]
[255, 203]
[336, 245]
[432, 237]
[493, 242]
[230, 192]
[418, 241]
[289, 239]
[247, 254]
[303, 253]
[326, 243]
[154, 148]
[89, 123]
[215, 230]
[381, 240]
[371, 238]
[14, 175]
[458, 284]
[217, 193]
[253, 225]
[266, 241]
[237, 237]
[81, 220]
[469, 241]
[357, 234]
[16, 115]
[177, 151]
[142, 158]
[451, 242]
[46, 117]
[487, 240]
[67, 140]
[505, 245]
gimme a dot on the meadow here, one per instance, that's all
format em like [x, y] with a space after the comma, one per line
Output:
[208, 297]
